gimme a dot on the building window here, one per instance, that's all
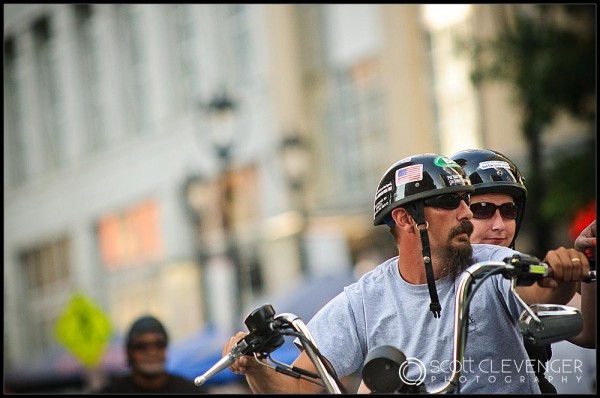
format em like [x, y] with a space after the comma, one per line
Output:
[184, 56]
[133, 67]
[239, 33]
[47, 273]
[14, 133]
[48, 84]
[233, 43]
[356, 123]
[131, 237]
[90, 72]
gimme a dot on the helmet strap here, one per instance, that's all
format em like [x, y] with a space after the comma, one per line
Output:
[416, 210]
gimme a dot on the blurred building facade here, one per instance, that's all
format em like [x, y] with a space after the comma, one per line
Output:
[123, 179]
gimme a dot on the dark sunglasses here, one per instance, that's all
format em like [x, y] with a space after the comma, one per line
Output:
[144, 346]
[485, 210]
[449, 201]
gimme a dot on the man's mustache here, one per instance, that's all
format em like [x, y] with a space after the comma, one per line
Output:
[465, 227]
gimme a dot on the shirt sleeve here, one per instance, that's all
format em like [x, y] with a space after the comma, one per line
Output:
[334, 330]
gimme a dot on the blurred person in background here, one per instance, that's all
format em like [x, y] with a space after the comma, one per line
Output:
[146, 346]
[498, 206]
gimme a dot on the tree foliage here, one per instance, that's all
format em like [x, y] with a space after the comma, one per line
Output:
[547, 55]
[544, 60]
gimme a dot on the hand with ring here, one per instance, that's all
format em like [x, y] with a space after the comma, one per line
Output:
[567, 265]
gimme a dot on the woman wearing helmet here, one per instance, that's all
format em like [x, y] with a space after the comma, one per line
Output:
[498, 205]
[499, 185]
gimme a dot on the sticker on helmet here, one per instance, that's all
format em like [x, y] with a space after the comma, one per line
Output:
[453, 180]
[384, 189]
[407, 174]
[443, 161]
[494, 164]
[381, 204]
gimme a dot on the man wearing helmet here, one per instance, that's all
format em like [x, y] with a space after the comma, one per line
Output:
[498, 205]
[424, 200]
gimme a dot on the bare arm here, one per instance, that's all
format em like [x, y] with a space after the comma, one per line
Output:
[587, 337]
[363, 389]
[586, 241]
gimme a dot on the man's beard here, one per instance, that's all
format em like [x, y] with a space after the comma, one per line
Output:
[457, 256]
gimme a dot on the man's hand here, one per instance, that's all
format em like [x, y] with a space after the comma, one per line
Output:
[245, 364]
[567, 265]
[263, 379]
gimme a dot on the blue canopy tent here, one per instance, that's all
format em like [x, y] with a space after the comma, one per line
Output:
[195, 355]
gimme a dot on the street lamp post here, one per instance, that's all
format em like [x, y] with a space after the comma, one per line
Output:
[194, 192]
[221, 112]
[295, 160]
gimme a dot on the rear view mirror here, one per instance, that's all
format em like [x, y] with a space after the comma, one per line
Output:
[558, 322]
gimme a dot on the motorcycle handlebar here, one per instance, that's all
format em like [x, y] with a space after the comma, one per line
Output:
[267, 330]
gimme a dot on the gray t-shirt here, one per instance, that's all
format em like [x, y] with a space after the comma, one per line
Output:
[383, 309]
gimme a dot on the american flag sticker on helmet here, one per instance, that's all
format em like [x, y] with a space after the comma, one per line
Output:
[408, 174]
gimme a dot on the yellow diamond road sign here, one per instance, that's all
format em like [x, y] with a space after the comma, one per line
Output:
[84, 329]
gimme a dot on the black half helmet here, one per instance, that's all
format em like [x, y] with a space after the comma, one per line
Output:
[407, 183]
[492, 172]
[415, 178]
